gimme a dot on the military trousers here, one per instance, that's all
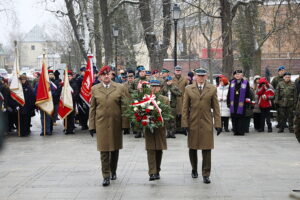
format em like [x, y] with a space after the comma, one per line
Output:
[206, 160]
[154, 161]
[109, 162]
[297, 127]
[286, 114]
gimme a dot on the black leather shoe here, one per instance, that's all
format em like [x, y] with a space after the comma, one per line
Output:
[206, 180]
[113, 176]
[157, 176]
[106, 182]
[152, 177]
[194, 174]
[281, 130]
[270, 130]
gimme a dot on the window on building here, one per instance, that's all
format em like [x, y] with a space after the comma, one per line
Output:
[32, 47]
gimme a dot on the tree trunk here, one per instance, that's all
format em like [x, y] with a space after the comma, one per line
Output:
[226, 21]
[106, 29]
[72, 18]
[97, 33]
[156, 52]
[257, 62]
[209, 57]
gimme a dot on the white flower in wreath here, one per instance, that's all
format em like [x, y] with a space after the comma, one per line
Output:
[136, 101]
[143, 105]
[151, 107]
[158, 102]
[135, 109]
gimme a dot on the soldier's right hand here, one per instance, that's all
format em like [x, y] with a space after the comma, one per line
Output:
[92, 132]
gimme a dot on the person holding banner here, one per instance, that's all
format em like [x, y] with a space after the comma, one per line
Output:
[83, 108]
[105, 119]
[26, 111]
[69, 102]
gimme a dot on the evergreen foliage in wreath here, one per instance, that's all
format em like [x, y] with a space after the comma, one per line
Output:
[146, 110]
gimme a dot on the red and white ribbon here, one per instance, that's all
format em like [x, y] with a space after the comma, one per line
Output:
[148, 99]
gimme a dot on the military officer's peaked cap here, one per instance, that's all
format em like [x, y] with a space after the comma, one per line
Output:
[165, 71]
[178, 68]
[82, 69]
[200, 72]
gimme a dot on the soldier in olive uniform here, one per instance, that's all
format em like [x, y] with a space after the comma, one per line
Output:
[105, 119]
[279, 78]
[181, 83]
[274, 83]
[286, 99]
[198, 101]
[155, 142]
[165, 74]
[172, 92]
[297, 120]
[137, 83]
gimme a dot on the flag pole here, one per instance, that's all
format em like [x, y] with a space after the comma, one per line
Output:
[19, 132]
[66, 123]
[44, 123]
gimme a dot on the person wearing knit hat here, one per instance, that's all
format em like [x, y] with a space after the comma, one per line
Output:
[155, 142]
[222, 91]
[171, 91]
[105, 120]
[256, 110]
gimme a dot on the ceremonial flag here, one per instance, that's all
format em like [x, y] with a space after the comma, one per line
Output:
[87, 82]
[43, 95]
[65, 102]
[16, 89]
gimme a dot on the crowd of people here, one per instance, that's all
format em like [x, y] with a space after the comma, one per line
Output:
[196, 105]
[254, 100]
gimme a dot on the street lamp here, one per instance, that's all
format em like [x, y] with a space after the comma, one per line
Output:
[69, 51]
[176, 15]
[116, 34]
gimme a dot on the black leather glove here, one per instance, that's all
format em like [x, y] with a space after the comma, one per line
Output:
[219, 131]
[92, 132]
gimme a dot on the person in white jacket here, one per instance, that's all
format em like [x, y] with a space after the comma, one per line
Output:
[222, 92]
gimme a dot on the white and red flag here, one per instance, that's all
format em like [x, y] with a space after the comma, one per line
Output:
[65, 102]
[16, 89]
[43, 94]
[87, 82]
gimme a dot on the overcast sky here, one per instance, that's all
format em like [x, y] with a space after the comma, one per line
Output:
[28, 13]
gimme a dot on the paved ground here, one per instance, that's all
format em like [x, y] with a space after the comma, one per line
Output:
[256, 166]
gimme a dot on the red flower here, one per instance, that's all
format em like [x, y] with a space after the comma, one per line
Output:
[145, 117]
[138, 118]
[147, 110]
[136, 114]
[144, 123]
[159, 118]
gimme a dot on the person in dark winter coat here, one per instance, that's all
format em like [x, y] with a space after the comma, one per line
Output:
[238, 93]
[75, 93]
[26, 111]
